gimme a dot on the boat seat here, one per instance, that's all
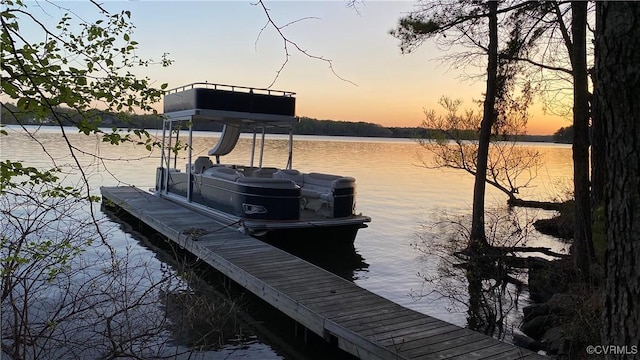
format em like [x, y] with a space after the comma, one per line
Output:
[325, 181]
[268, 182]
[291, 174]
[321, 186]
[223, 172]
[315, 194]
[201, 164]
[264, 172]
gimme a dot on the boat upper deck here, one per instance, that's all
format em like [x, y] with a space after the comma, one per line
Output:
[230, 104]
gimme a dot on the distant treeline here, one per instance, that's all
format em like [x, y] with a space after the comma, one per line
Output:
[564, 135]
[306, 126]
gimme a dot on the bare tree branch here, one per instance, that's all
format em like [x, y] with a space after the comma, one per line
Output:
[287, 43]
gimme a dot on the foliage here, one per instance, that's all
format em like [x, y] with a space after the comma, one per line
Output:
[63, 294]
[564, 135]
[69, 292]
[60, 74]
[29, 177]
[582, 324]
[75, 66]
[66, 292]
[537, 30]
[308, 126]
[444, 21]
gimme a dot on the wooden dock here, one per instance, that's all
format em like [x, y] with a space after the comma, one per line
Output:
[358, 321]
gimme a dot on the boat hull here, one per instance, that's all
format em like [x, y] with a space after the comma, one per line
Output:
[268, 209]
[334, 237]
[294, 235]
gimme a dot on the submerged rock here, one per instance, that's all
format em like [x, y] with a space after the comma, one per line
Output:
[526, 342]
[562, 304]
[537, 326]
[547, 278]
[534, 310]
[555, 341]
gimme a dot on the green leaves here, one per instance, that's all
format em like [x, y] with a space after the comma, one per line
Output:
[15, 175]
[10, 169]
[413, 29]
[135, 136]
[62, 72]
[74, 69]
[59, 73]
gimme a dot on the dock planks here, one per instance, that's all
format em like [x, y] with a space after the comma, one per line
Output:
[364, 324]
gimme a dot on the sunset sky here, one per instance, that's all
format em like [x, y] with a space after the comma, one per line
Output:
[221, 42]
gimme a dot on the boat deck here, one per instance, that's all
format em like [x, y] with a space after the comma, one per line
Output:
[358, 321]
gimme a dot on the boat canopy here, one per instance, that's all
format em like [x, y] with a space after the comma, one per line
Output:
[232, 105]
[236, 107]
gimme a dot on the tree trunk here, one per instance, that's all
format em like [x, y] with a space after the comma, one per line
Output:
[582, 242]
[545, 205]
[598, 161]
[478, 236]
[478, 241]
[618, 91]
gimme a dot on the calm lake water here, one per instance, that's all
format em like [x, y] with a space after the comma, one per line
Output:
[402, 197]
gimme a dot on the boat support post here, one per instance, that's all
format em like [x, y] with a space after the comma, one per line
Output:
[189, 152]
[175, 156]
[162, 178]
[262, 147]
[168, 156]
[290, 160]
[253, 147]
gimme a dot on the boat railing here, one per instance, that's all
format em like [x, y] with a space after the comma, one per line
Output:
[231, 88]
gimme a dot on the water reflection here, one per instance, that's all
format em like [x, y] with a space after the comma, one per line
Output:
[345, 262]
[203, 319]
[487, 282]
[493, 300]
